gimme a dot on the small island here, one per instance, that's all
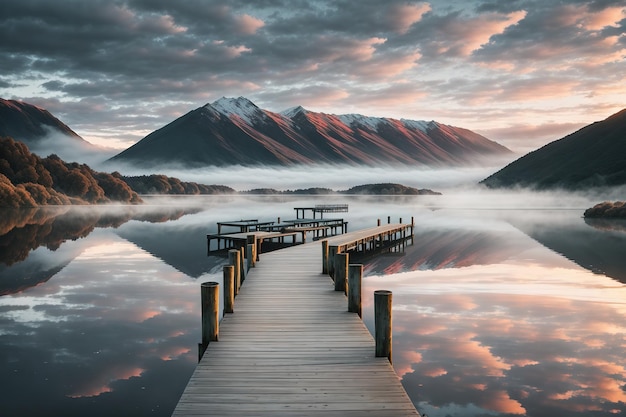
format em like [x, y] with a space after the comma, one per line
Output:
[607, 210]
[366, 189]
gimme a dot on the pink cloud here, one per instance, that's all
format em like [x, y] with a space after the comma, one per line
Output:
[162, 24]
[388, 66]
[500, 401]
[461, 38]
[402, 17]
[248, 25]
[610, 16]
[584, 18]
[359, 50]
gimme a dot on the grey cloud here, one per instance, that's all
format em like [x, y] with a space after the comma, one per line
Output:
[542, 36]
[140, 57]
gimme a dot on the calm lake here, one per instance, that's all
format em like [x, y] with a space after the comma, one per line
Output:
[505, 305]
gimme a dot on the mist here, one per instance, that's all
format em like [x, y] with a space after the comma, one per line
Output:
[71, 149]
[335, 177]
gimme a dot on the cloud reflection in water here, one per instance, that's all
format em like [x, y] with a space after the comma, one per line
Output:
[522, 338]
[102, 323]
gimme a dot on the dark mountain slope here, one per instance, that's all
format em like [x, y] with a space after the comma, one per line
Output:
[44, 134]
[30, 124]
[593, 156]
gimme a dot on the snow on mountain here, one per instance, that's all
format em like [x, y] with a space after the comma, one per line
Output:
[365, 121]
[241, 107]
[421, 125]
[292, 111]
[370, 122]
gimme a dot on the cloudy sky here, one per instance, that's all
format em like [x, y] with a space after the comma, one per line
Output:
[522, 72]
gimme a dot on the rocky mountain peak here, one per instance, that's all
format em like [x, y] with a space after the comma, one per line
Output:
[241, 107]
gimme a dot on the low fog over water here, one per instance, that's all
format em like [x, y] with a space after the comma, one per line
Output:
[335, 177]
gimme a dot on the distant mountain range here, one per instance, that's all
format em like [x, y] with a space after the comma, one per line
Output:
[593, 156]
[233, 131]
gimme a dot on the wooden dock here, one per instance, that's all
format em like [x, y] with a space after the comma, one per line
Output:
[291, 348]
[272, 231]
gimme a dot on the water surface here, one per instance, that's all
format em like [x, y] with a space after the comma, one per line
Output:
[497, 310]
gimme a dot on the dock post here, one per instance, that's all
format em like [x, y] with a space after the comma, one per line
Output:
[388, 219]
[250, 256]
[209, 294]
[324, 256]
[382, 323]
[341, 271]
[332, 252]
[242, 265]
[229, 288]
[378, 223]
[233, 259]
[355, 276]
[251, 240]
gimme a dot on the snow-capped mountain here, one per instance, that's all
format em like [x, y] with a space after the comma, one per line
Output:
[236, 131]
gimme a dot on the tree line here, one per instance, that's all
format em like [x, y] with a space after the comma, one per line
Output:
[27, 180]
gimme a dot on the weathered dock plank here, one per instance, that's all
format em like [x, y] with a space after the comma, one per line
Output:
[291, 349]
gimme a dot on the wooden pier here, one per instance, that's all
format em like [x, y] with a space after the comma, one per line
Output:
[291, 348]
[272, 231]
[239, 240]
[321, 209]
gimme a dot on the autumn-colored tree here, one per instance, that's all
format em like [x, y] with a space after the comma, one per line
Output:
[29, 181]
[116, 189]
[12, 196]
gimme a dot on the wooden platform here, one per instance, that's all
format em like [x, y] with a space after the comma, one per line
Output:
[237, 240]
[291, 349]
[366, 239]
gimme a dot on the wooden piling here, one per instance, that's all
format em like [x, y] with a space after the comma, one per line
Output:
[355, 276]
[332, 252]
[210, 292]
[249, 256]
[251, 240]
[382, 323]
[378, 223]
[233, 259]
[324, 256]
[242, 265]
[341, 271]
[229, 288]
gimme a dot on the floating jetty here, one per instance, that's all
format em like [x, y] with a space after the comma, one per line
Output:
[291, 344]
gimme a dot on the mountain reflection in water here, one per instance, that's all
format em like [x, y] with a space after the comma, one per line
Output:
[487, 322]
[100, 312]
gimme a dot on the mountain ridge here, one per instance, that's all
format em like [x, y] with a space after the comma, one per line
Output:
[593, 156]
[235, 131]
[28, 123]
